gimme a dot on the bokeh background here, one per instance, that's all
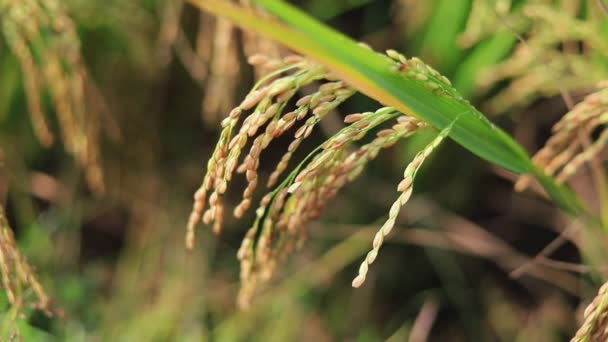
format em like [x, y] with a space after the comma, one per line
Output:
[463, 263]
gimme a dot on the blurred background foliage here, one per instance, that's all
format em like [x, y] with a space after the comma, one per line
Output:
[157, 76]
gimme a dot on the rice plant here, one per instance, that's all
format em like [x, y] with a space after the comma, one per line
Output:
[284, 208]
[452, 191]
[283, 213]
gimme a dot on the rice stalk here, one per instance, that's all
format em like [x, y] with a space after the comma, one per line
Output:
[283, 215]
[269, 98]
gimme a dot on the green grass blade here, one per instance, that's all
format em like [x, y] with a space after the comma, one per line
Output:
[487, 53]
[373, 75]
[439, 43]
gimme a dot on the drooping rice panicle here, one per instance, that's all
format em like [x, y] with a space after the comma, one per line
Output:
[268, 97]
[17, 274]
[301, 196]
[282, 217]
[329, 96]
[405, 187]
[564, 153]
[44, 40]
[585, 156]
[32, 83]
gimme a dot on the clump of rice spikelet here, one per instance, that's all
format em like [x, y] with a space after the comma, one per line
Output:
[595, 322]
[303, 194]
[44, 40]
[282, 218]
[564, 154]
[17, 275]
[329, 96]
[32, 84]
[322, 102]
[334, 166]
[405, 187]
[268, 99]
